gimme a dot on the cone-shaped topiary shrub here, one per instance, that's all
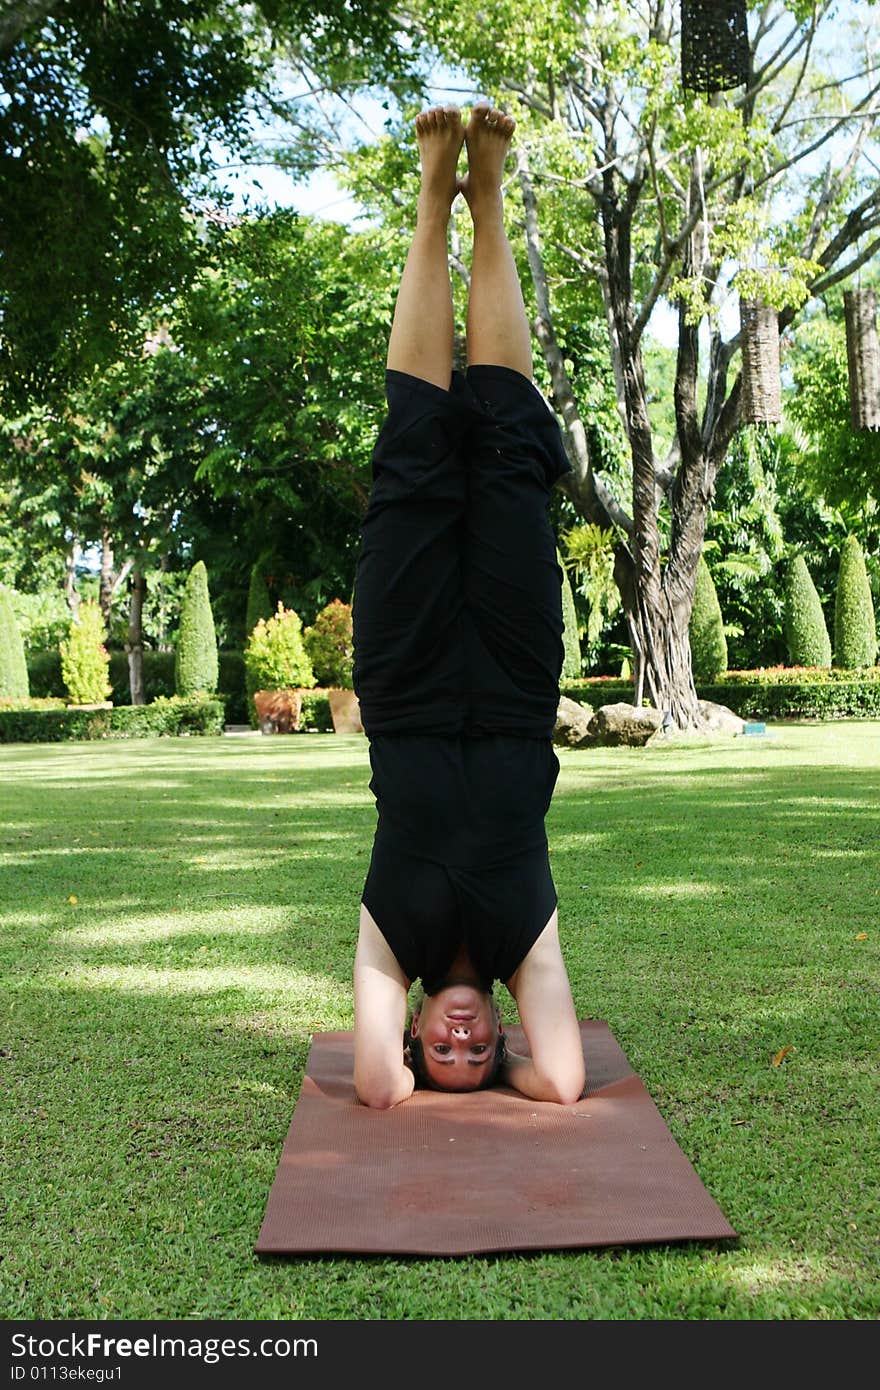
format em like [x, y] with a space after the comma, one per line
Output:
[275, 657]
[13, 667]
[708, 643]
[571, 663]
[806, 634]
[330, 645]
[259, 601]
[855, 628]
[195, 661]
[85, 661]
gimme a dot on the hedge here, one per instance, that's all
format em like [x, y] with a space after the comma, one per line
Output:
[766, 695]
[44, 669]
[56, 724]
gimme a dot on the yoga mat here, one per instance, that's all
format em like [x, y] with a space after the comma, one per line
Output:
[484, 1171]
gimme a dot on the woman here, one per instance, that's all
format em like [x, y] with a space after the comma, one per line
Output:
[458, 650]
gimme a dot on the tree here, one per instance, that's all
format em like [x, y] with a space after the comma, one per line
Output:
[259, 602]
[805, 629]
[195, 658]
[244, 435]
[855, 628]
[13, 668]
[766, 191]
[840, 464]
[113, 109]
[285, 335]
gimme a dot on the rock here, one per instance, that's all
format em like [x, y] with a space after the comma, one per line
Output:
[719, 719]
[573, 722]
[625, 724]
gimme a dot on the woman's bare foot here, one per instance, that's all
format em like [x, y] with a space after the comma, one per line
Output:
[487, 135]
[440, 136]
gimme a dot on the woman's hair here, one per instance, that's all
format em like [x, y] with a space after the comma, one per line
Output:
[414, 1054]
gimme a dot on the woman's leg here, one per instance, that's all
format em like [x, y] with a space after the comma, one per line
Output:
[421, 334]
[512, 583]
[497, 327]
[408, 653]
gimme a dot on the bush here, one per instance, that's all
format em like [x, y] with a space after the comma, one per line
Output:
[13, 667]
[85, 660]
[315, 713]
[708, 643]
[43, 618]
[805, 632]
[195, 666]
[275, 657]
[855, 629]
[330, 644]
[571, 662]
[33, 723]
[259, 603]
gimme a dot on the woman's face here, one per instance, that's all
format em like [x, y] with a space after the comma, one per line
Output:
[459, 1028]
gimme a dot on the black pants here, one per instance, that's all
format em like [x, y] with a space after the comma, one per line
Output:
[457, 603]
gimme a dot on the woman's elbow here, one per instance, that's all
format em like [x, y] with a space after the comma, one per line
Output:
[381, 1093]
[565, 1088]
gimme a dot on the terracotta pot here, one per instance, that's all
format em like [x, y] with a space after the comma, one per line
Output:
[278, 711]
[346, 711]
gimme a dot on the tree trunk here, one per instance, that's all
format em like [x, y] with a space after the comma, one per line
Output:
[161, 635]
[134, 646]
[105, 590]
[665, 671]
[71, 593]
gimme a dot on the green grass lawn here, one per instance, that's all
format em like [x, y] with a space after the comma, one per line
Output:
[179, 915]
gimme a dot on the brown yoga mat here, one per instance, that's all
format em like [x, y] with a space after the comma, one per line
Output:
[490, 1170]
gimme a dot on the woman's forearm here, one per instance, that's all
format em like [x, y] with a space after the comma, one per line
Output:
[521, 1073]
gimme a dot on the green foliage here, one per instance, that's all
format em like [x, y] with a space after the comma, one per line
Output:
[275, 657]
[805, 631]
[571, 665]
[195, 667]
[852, 699]
[304, 307]
[855, 628]
[315, 715]
[43, 618]
[164, 717]
[259, 602]
[109, 130]
[590, 555]
[13, 668]
[84, 658]
[330, 645]
[708, 643]
[840, 464]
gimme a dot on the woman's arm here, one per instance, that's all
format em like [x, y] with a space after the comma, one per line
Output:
[380, 989]
[555, 1069]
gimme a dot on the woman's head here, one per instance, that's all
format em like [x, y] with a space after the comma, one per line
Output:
[455, 1038]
